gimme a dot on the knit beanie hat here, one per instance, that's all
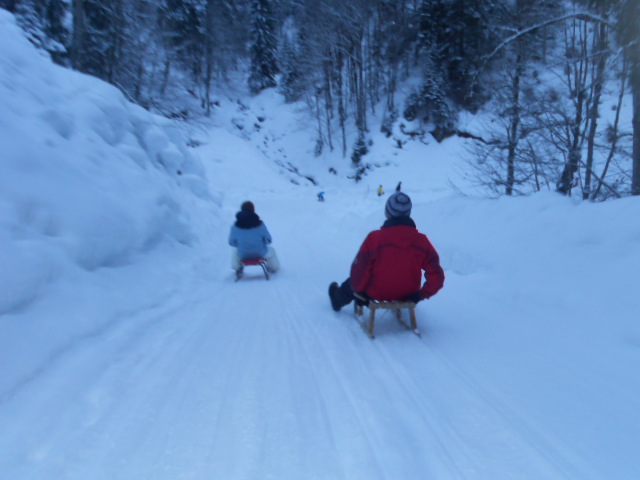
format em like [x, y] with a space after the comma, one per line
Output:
[398, 205]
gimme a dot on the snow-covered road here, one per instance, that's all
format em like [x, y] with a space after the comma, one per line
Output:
[261, 379]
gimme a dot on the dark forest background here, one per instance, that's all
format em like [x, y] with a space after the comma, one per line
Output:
[553, 76]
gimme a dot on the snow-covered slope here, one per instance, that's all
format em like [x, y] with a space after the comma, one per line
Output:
[127, 351]
[88, 179]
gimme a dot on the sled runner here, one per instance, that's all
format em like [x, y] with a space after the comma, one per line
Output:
[395, 307]
[262, 262]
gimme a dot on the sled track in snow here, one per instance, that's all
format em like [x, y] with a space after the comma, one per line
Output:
[401, 363]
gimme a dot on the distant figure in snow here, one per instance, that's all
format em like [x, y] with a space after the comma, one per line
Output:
[399, 187]
[380, 191]
[391, 260]
[321, 197]
[251, 240]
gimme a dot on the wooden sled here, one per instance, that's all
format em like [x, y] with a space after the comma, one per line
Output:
[262, 262]
[395, 307]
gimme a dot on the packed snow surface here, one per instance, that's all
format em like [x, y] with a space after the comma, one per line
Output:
[127, 351]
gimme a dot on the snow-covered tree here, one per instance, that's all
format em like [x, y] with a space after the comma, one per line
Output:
[44, 23]
[429, 104]
[264, 64]
[294, 81]
[183, 36]
[9, 5]
[97, 37]
[506, 161]
[456, 34]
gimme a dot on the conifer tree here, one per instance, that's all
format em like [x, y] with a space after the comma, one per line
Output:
[9, 5]
[183, 35]
[44, 23]
[264, 65]
[456, 34]
[54, 26]
[292, 85]
[96, 42]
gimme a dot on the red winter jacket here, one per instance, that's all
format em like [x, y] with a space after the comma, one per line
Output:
[390, 262]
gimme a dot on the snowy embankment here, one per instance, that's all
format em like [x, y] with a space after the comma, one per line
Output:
[128, 352]
[91, 188]
[88, 179]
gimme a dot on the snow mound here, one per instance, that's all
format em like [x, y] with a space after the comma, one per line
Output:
[88, 180]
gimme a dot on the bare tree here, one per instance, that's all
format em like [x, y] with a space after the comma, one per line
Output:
[598, 80]
[507, 158]
[572, 129]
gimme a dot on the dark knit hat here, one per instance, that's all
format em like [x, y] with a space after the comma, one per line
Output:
[398, 205]
[248, 207]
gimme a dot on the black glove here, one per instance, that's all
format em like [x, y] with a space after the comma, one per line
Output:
[362, 299]
[414, 297]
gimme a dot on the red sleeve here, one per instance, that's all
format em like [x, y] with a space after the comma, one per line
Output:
[433, 273]
[362, 265]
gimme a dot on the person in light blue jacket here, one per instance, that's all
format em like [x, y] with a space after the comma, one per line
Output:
[251, 240]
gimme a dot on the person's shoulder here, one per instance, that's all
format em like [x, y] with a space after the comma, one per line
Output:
[424, 239]
[259, 229]
[374, 235]
[421, 234]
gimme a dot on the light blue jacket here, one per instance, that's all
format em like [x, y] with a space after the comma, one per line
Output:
[251, 242]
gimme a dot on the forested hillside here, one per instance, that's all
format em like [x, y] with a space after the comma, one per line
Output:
[558, 82]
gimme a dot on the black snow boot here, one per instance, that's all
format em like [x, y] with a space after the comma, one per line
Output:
[340, 295]
[333, 296]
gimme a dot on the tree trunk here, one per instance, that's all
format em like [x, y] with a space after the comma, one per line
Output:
[391, 88]
[593, 110]
[614, 140]
[319, 119]
[328, 101]
[166, 72]
[635, 91]
[208, 55]
[342, 114]
[79, 32]
[577, 89]
[629, 37]
[362, 97]
[117, 43]
[514, 126]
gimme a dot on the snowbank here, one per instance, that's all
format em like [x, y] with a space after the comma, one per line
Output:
[88, 179]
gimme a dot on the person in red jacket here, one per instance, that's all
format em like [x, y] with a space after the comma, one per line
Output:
[391, 260]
